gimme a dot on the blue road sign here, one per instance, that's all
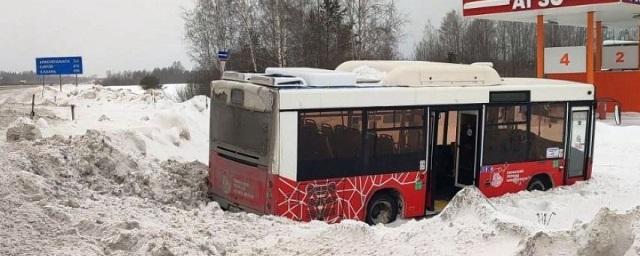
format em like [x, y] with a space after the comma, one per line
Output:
[59, 66]
[223, 55]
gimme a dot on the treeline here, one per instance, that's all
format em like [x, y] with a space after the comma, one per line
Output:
[265, 33]
[14, 78]
[511, 46]
[31, 78]
[174, 74]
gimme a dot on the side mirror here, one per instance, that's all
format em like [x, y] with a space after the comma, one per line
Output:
[617, 115]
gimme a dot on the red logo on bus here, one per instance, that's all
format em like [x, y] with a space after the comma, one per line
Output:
[323, 201]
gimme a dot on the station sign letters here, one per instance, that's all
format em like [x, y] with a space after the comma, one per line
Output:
[481, 7]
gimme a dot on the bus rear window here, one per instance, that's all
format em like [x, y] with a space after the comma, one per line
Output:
[239, 130]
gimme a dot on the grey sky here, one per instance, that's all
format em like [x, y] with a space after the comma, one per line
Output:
[418, 12]
[130, 34]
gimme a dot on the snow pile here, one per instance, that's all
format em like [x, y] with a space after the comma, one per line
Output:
[367, 74]
[468, 222]
[93, 162]
[608, 234]
[72, 95]
[23, 129]
[129, 115]
[468, 200]
[121, 180]
[45, 186]
[82, 196]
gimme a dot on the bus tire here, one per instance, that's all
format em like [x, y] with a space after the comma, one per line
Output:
[538, 183]
[382, 209]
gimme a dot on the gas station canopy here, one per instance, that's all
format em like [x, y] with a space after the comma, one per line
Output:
[563, 12]
[612, 66]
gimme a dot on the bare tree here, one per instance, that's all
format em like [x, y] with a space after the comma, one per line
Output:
[481, 38]
[376, 26]
[247, 10]
[320, 33]
[209, 27]
[430, 48]
[452, 36]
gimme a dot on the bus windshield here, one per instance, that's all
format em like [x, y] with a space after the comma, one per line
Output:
[241, 120]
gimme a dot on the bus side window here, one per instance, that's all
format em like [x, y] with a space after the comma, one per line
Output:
[547, 130]
[329, 144]
[395, 140]
[506, 138]
[512, 135]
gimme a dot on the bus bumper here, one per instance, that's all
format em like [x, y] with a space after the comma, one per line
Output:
[231, 206]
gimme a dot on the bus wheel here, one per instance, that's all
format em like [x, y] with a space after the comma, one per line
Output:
[537, 184]
[382, 209]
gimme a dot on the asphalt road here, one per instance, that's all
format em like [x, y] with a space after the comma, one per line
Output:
[13, 87]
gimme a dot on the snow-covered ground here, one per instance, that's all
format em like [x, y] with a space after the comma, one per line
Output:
[143, 123]
[127, 177]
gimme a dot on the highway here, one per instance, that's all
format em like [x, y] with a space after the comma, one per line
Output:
[13, 87]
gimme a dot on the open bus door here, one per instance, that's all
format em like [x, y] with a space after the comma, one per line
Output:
[466, 156]
[580, 136]
[453, 153]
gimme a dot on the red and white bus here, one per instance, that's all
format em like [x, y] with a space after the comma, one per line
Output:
[372, 140]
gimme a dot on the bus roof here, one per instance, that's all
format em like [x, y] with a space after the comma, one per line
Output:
[369, 84]
[422, 73]
[541, 90]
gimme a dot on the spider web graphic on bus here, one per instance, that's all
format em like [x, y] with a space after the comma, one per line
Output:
[333, 200]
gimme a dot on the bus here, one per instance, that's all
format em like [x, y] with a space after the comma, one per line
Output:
[377, 140]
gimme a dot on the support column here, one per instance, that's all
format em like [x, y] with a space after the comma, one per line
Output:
[590, 48]
[540, 46]
[599, 48]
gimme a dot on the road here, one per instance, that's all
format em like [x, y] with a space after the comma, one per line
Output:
[13, 87]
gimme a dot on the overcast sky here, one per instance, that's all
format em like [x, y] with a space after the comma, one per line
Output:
[418, 12]
[131, 34]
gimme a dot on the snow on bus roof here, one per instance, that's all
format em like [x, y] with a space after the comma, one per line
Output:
[422, 73]
[406, 83]
[380, 73]
[316, 76]
[541, 90]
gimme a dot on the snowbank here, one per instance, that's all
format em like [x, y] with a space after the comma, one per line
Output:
[608, 234]
[57, 181]
[169, 130]
[23, 129]
[127, 177]
[92, 161]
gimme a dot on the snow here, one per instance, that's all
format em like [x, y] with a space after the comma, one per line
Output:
[366, 74]
[130, 115]
[23, 129]
[316, 76]
[127, 177]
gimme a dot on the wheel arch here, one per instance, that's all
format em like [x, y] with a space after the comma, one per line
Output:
[393, 192]
[544, 177]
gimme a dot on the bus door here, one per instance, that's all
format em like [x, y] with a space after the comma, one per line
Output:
[453, 136]
[579, 143]
[466, 160]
